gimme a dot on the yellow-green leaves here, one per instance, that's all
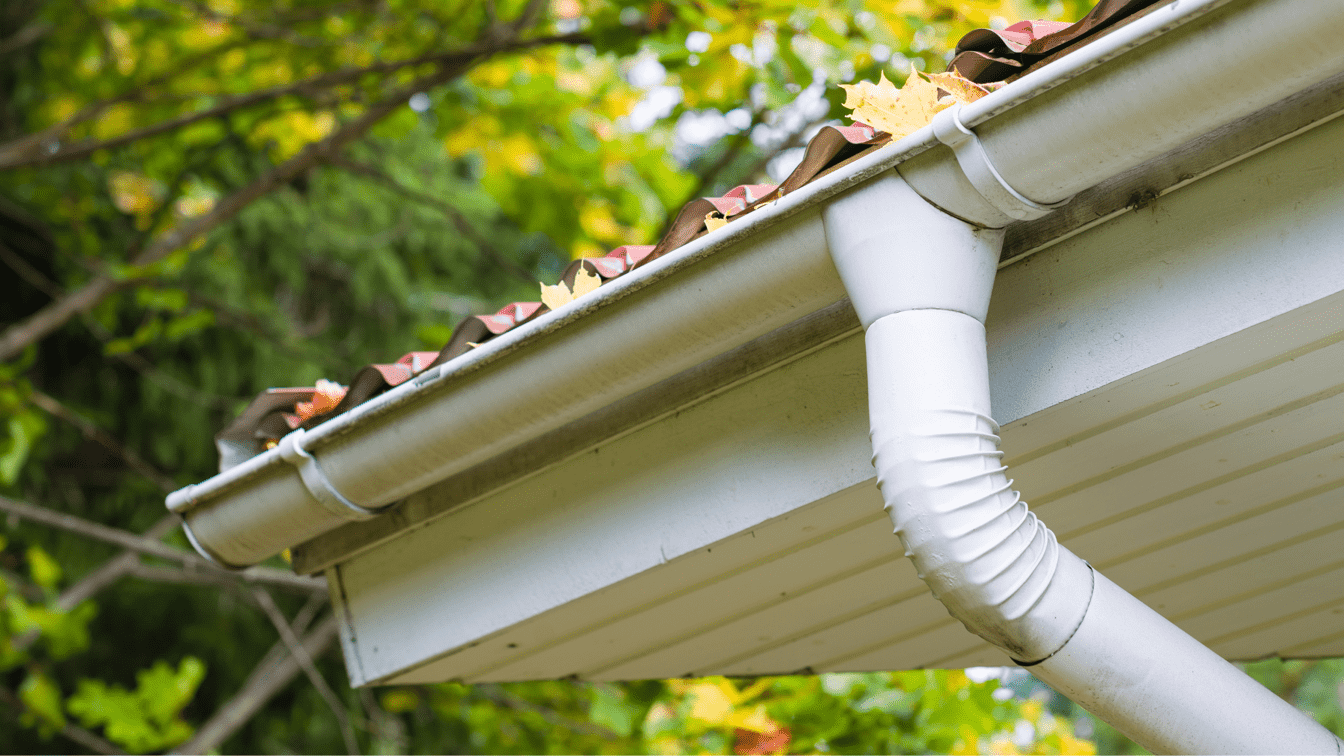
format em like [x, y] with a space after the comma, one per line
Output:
[42, 698]
[21, 424]
[43, 569]
[147, 718]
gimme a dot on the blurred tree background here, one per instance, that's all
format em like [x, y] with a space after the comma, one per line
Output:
[200, 199]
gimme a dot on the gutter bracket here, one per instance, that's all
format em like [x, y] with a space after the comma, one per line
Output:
[976, 165]
[316, 481]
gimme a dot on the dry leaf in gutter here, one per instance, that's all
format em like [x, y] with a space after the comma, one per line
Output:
[585, 282]
[559, 295]
[714, 221]
[901, 112]
[959, 87]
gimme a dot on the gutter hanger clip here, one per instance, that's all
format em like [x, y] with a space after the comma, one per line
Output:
[316, 481]
[975, 163]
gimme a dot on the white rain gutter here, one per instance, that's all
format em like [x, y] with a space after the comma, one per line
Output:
[917, 253]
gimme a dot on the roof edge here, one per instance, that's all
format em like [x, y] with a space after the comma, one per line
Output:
[260, 507]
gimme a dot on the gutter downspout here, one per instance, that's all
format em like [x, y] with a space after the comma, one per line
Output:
[920, 281]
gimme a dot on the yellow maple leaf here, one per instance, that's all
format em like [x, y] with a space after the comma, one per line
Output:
[556, 296]
[901, 112]
[585, 282]
[559, 295]
[959, 87]
[714, 221]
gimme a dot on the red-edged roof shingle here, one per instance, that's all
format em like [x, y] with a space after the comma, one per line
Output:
[984, 56]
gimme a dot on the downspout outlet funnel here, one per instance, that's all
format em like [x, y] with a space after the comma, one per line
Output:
[901, 253]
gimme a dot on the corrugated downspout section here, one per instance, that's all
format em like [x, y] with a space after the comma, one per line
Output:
[983, 554]
[920, 282]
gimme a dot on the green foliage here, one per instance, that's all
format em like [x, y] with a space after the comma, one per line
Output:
[42, 568]
[611, 709]
[493, 181]
[1314, 687]
[42, 698]
[145, 719]
[21, 424]
[59, 634]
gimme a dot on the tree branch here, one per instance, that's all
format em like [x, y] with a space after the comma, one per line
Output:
[110, 572]
[101, 437]
[103, 576]
[528, 16]
[27, 272]
[24, 37]
[387, 731]
[256, 30]
[174, 575]
[458, 219]
[43, 141]
[30, 150]
[151, 547]
[53, 316]
[451, 65]
[271, 676]
[74, 733]
[297, 651]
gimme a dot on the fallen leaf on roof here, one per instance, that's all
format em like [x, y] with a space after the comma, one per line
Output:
[901, 112]
[556, 296]
[559, 295]
[715, 221]
[959, 87]
[327, 395]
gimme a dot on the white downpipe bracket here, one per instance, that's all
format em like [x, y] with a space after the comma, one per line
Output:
[980, 171]
[920, 281]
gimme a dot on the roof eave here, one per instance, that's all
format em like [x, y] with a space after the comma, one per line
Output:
[769, 268]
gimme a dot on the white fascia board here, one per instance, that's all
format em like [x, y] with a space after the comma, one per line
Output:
[772, 267]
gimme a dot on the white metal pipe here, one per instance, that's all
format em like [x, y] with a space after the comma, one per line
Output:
[1169, 692]
[920, 281]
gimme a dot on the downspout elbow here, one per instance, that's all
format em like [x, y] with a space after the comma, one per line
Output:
[920, 281]
[985, 556]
